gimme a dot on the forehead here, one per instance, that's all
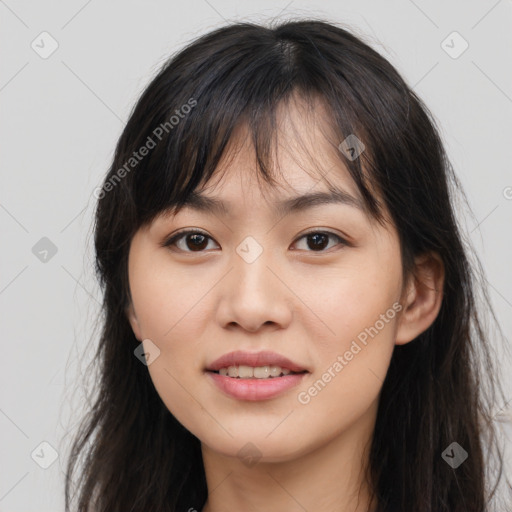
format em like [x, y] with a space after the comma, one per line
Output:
[304, 163]
[289, 164]
[297, 190]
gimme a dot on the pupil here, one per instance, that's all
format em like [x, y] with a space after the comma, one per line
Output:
[198, 242]
[316, 237]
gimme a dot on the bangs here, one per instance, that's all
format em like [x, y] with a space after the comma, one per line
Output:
[262, 131]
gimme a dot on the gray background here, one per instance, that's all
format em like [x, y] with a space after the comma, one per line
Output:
[62, 115]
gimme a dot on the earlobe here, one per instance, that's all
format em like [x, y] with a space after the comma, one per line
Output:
[132, 318]
[422, 298]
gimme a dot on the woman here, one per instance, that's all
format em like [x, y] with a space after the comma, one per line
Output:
[289, 309]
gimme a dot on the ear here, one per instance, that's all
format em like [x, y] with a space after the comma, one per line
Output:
[132, 318]
[422, 297]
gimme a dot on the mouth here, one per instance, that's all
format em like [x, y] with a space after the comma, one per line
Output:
[257, 372]
[255, 376]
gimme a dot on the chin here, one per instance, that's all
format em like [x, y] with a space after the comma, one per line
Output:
[258, 447]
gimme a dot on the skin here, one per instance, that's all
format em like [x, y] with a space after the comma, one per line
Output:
[307, 304]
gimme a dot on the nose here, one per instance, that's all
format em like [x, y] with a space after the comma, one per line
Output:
[254, 296]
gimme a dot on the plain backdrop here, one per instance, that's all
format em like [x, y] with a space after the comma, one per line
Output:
[69, 77]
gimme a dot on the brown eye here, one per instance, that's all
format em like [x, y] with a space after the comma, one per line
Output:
[317, 241]
[196, 242]
[189, 241]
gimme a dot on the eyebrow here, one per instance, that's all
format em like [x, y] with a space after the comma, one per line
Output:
[202, 203]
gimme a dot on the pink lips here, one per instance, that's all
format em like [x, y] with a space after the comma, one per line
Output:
[254, 389]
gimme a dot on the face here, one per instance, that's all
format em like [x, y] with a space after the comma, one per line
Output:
[257, 278]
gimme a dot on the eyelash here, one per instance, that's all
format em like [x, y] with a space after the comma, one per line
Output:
[182, 234]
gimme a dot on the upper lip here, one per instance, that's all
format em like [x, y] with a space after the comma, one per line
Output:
[264, 358]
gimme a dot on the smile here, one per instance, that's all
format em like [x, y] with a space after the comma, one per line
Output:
[258, 372]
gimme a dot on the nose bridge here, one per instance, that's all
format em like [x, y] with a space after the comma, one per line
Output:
[252, 295]
[251, 273]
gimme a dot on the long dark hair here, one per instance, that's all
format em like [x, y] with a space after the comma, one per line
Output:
[130, 452]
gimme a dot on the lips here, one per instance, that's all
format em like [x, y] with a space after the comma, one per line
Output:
[258, 387]
[254, 359]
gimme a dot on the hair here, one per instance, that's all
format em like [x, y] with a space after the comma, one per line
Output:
[130, 452]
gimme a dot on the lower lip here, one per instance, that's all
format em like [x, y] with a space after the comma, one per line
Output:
[255, 389]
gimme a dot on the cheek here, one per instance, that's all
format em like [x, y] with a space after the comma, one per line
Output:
[164, 299]
[351, 364]
[350, 299]
[170, 311]
[358, 305]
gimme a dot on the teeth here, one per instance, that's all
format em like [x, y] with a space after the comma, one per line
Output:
[274, 371]
[245, 372]
[258, 372]
[261, 372]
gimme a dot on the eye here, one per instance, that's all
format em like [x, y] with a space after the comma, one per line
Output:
[317, 240]
[189, 241]
[197, 241]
